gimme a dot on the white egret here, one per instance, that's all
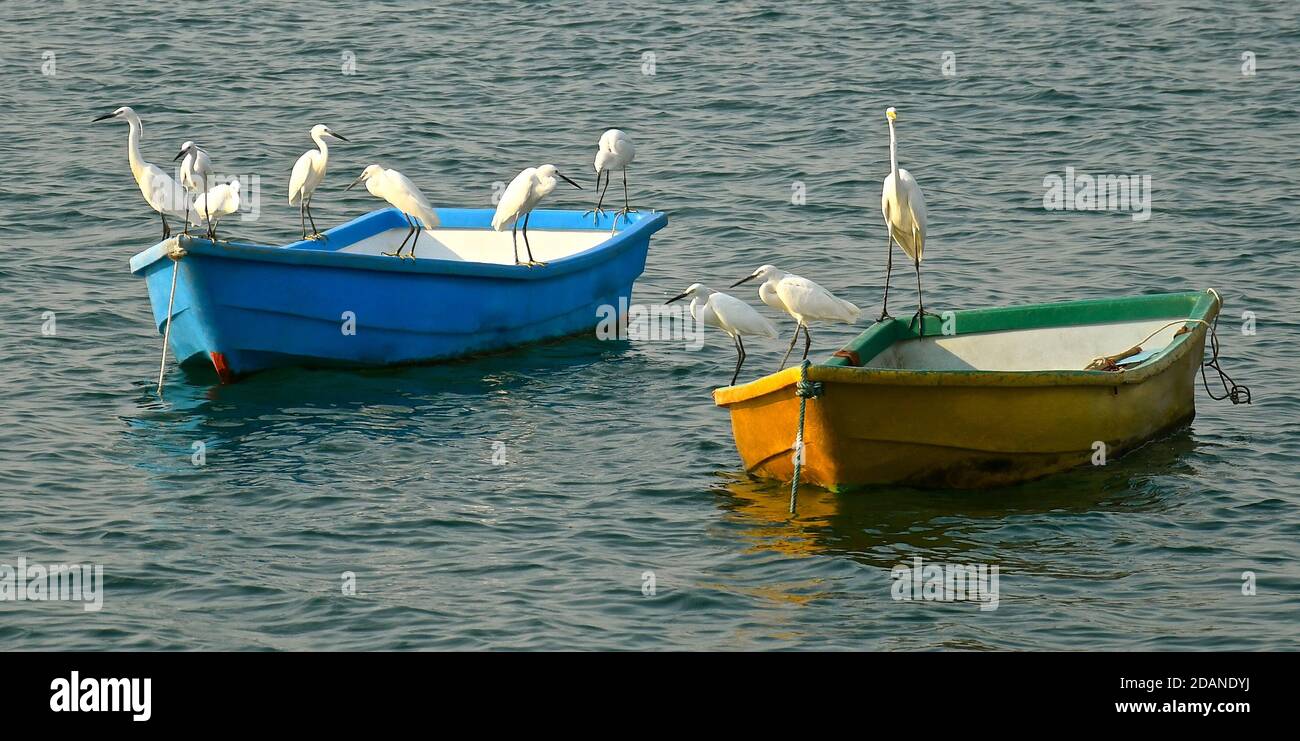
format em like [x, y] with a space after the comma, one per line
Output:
[308, 171]
[401, 193]
[221, 200]
[614, 153]
[161, 192]
[802, 299]
[196, 168]
[522, 195]
[903, 205]
[730, 314]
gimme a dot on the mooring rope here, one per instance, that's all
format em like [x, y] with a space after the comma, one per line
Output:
[1232, 391]
[805, 390]
[175, 252]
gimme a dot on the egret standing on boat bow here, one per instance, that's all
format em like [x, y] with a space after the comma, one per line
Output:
[615, 152]
[196, 168]
[401, 193]
[161, 192]
[308, 171]
[522, 195]
[802, 299]
[903, 205]
[728, 313]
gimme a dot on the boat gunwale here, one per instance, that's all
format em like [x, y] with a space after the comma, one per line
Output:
[305, 252]
[1205, 307]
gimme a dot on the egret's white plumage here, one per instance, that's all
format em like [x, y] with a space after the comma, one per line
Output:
[196, 167]
[221, 200]
[398, 190]
[614, 153]
[196, 170]
[802, 299]
[308, 172]
[523, 194]
[903, 206]
[728, 313]
[160, 191]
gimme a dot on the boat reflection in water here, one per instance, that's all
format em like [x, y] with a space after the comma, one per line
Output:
[888, 526]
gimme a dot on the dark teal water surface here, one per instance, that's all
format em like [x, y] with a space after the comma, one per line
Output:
[616, 461]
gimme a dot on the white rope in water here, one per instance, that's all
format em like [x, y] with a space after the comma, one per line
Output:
[175, 252]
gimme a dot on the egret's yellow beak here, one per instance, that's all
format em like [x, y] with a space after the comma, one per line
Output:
[891, 114]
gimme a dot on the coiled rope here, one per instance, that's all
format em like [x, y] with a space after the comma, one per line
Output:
[805, 390]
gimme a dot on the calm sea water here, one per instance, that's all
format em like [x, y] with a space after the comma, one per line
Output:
[617, 463]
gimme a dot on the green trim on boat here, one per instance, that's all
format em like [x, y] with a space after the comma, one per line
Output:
[880, 336]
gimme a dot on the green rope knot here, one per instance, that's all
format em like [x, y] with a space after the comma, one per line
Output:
[809, 389]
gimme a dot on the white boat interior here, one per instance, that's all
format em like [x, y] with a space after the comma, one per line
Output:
[483, 245]
[1050, 348]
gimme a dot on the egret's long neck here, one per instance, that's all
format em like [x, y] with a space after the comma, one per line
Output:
[324, 148]
[133, 146]
[893, 149]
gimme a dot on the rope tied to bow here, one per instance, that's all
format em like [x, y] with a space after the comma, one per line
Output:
[805, 390]
[175, 251]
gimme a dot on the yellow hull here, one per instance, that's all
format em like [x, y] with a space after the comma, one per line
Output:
[963, 429]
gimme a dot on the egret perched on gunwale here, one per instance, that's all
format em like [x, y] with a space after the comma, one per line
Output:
[730, 314]
[523, 194]
[160, 191]
[903, 205]
[401, 193]
[614, 153]
[802, 299]
[308, 171]
[196, 168]
[221, 200]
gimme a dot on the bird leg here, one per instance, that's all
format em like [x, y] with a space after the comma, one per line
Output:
[409, 232]
[889, 267]
[398, 251]
[790, 349]
[919, 317]
[598, 211]
[167, 230]
[186, 229]
[514, 240]
[807, 342]
[411, 253]
[302, 216]
[627, 207]
[740, 357]
[315, 232]
[531, 261]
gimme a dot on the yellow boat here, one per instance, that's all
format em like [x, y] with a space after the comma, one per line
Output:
[981, 398]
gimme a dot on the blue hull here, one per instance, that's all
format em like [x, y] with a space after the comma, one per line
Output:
[242, 308]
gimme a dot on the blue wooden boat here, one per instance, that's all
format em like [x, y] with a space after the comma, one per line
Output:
[243, 307]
